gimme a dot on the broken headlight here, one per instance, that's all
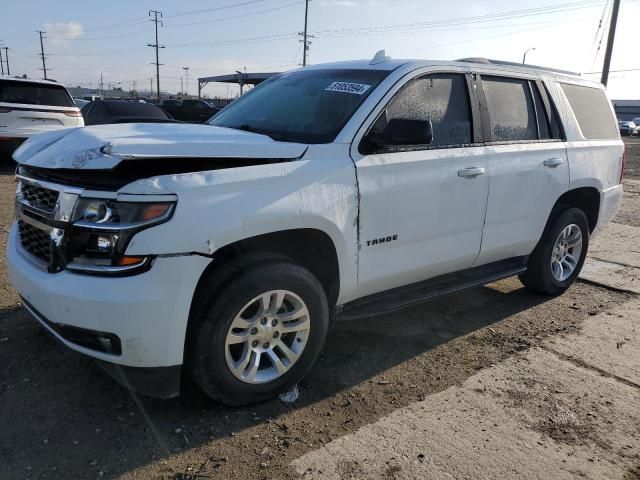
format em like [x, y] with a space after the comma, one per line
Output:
[102, 229]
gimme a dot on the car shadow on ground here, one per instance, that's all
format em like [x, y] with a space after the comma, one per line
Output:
[7, 166]
[55, 401]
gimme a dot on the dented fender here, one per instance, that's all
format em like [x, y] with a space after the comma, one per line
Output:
[218, 208]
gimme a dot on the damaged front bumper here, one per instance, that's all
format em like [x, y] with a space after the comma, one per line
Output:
[147, 313]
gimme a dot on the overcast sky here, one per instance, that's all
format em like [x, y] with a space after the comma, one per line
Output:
[220, 36]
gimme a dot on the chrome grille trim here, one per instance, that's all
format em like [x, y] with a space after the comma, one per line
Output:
[33, 213]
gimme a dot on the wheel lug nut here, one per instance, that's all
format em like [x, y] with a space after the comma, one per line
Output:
[263, 321]
[276, 334]
[266, 345]
[254, 330]
[254, 343]
[274, 322]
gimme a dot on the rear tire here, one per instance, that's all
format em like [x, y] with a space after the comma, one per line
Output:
[558, 258]
[249, 321]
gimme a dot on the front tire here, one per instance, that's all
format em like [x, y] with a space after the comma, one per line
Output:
[261, 334]
[558, 258]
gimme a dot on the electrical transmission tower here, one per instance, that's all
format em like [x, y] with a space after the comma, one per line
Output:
[156, 16]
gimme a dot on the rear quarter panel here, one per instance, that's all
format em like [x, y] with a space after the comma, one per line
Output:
[592, 163]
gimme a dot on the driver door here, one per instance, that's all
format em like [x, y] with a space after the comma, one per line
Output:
[422, 206]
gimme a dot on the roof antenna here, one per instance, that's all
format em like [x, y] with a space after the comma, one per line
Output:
[379, 57]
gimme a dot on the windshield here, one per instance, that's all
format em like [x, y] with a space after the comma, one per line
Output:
[308, 106]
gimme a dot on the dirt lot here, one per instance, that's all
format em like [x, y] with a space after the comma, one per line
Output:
[62, 417]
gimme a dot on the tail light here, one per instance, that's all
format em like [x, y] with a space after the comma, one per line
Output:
[5, 109]
[72, 113]
[624, 157]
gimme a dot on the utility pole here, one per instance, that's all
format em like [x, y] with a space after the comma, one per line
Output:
[305, 36]
[44, 63]
[186, 74]
[157, 46]
[6, 59]
[101, 86]
[1, 64]
[181, 88]
[612, 34]
[151, 89]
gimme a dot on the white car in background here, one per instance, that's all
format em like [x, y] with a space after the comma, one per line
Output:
[28, 107]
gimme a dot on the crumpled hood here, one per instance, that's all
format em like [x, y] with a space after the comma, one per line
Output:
[104, 146]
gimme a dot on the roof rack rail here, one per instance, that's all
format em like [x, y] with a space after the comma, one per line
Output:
[488, 61]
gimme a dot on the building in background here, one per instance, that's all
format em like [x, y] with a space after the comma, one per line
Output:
[626, 109]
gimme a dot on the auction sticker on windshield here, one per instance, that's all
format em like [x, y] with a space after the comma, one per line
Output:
[348, 87]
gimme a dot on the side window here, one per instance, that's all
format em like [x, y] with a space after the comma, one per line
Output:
[511, 112]
[544, 127]
[592, 110]
[441, 98]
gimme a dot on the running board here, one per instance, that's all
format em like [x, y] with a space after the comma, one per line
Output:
[417, 293]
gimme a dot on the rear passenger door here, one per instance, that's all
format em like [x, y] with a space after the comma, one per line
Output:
[422, 206]
[527, 163]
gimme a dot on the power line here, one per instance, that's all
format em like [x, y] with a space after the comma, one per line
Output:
[615, 71]
[235, 17]
[526, 13]
[215, 9]
[157, 46]
[240, 41]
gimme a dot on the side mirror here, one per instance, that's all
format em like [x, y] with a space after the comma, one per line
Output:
[401, 131]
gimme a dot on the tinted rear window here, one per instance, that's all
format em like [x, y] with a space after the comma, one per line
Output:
[132, 109]
[12, 91]
[592, 110]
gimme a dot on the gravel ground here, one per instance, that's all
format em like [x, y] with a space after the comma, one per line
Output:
[62, 417]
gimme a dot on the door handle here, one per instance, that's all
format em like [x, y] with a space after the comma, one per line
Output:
[471, 172]
[553, 162]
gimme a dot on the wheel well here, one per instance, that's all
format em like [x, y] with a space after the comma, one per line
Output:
[585, 198]
[310, 248]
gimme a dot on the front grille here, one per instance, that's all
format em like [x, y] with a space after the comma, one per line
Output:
[40, 197]
[35, 241]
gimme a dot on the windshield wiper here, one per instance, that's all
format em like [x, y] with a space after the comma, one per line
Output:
[275, 136]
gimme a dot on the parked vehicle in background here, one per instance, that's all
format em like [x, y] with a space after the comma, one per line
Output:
[347, 190]
[80, 102]
[628, 128]
[28, 107]
[121, 111]
[636, 121]
[192, 111]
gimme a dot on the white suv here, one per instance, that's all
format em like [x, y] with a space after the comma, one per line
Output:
[339, 190]
[28, 107]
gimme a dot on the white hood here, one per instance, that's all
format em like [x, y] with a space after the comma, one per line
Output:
[104, 146]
